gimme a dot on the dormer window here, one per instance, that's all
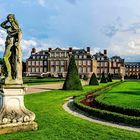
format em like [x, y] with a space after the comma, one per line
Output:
[102, 58]
[85, 56]
[33, 57]
[80, 56]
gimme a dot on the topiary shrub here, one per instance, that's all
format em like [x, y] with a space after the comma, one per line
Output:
[109, 77]
[85, 77]
[103, 78]
[72, 81]
[93, 80]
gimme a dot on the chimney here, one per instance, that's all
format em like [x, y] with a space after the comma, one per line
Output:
[70, 50]
[88, 49]
[105, 52]
[50, 49]
[33, 51]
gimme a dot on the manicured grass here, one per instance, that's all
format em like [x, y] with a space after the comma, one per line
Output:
[37, 81]
[126, 94]
[56, 124]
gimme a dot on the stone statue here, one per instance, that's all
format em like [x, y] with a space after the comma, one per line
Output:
[13, 51]
[14, 116]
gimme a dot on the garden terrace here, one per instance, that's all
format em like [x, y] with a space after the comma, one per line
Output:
[56, 124]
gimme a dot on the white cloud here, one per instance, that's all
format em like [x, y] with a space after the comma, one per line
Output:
[41, 2]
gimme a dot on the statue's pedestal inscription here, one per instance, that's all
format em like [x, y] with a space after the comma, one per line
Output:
[13, 113]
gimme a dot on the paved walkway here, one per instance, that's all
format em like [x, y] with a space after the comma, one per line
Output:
[46, 87]
[43, 87]
[69, 107]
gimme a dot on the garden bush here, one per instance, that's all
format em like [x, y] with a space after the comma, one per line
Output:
[72, 81]
[93, 80]
[103, 78]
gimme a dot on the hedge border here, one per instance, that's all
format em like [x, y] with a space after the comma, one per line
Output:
[104, 114]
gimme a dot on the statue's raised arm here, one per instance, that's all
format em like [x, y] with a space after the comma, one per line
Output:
[13, 51]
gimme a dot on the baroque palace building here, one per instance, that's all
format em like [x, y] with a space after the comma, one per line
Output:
[55, 62]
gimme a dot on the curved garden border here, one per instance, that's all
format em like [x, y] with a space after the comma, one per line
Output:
[85, 105]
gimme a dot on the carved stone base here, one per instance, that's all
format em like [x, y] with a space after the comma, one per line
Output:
[12, 109]
[16, 127]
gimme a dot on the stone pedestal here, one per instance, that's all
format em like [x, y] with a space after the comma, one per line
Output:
[13, 113]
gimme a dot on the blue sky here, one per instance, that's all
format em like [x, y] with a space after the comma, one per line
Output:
[101, 24]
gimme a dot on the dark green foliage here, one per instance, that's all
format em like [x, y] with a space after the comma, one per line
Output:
[93, 80]
[85, 77]
[72, 81]
[109, 78]
[103, 78]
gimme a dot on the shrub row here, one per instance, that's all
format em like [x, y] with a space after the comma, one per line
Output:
[107, 115]
[114, 108]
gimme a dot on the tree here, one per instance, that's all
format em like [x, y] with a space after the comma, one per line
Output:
[103, 78]
[72, 81]
[109, 77]
[93, 80]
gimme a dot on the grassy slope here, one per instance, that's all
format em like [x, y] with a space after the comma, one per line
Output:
[127, 94]
[56, 124]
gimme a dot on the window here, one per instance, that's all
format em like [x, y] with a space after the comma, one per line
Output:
[38, 57]
[62, 62]
[52, 69]
[33, 63]
[114, 64]
[105, 64]
[45, 69]
[33, 57]
[98, 58]
[41, 69]
[57, 54]
[57, 69]
[45, 63]
[37, 69]
[89, 62]
[29, 63]
[46, 57]
[80, 62]
[52, 62]
[62, 69]
[63, 54]
[88, 70]
[84, 62]
[84, 69]
[29, 69]
[52, 54]
[116, 70]
[57, 62]
[33, 69]
[42, 57]
[41, 63]
[80, 69]
[102, 64]
[76, 56]
[102, 58]
[80, 56]
[37, 63]
[85, 56]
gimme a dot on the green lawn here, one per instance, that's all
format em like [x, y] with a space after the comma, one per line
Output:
[126, 94]
[56, 124]
[37, 81]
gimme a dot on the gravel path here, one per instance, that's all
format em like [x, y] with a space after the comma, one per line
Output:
[46, 87]
[43, 87]
[69, 107]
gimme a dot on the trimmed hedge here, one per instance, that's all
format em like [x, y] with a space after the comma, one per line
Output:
[72, 81]
[93, 80]
[103, 78]
[107, 115]
[113, 108]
